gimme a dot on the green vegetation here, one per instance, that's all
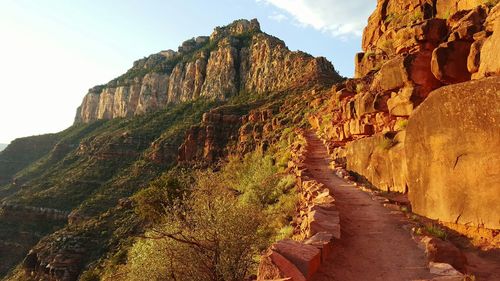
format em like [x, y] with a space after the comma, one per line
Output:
[387, 143]
[211, 235]
[389, 18]
[206, 225]
[401, 124]
[394, 19]
[141, 215]
[417, 15]
[22, 152]
[436, 231]
[105, 161]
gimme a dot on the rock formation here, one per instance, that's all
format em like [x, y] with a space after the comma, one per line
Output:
[420, 117]
[235, 58]
[400, 128]
[451, 145]
[209, 140]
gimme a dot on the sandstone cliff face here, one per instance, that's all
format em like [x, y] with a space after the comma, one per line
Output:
[453, 157]
[411, 50]
[235, 58]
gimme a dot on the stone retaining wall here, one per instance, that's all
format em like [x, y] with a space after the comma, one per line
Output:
[316, 225]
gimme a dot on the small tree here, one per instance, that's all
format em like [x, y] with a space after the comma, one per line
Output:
[211, 235]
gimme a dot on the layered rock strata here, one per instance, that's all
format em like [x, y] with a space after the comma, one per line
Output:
[238, 58]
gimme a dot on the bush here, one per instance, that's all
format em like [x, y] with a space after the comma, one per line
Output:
[217, 228]
[211, 235]
[151, 203]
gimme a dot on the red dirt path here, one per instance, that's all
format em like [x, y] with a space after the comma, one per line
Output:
[373, 245]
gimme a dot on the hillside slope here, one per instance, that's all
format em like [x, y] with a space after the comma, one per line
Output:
[225, 93]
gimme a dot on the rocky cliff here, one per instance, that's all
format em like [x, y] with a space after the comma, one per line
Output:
[238, 58]
[382, 126]
[412, 121]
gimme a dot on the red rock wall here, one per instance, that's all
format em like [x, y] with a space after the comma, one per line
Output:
[411, 49]
[207, 141]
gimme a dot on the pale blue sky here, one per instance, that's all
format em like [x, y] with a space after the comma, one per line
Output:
[53, 51]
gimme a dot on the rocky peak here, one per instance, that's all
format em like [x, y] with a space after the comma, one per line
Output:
[237, 27]
[235, 58]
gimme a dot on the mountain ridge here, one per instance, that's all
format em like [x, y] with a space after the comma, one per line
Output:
[237, 58]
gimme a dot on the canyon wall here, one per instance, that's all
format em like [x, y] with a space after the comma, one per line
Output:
[238, 58]
[419, 116]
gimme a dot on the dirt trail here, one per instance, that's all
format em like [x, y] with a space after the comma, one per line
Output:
[373, 245]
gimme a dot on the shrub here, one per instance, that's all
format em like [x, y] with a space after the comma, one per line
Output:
[219, 227]
[436, 231]
[89, 276]
[151, 202]
[212, 235]
[401, 124]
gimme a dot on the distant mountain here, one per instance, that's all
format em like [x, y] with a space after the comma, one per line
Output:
[3, 146]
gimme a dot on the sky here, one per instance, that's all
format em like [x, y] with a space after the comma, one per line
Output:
[53, 51]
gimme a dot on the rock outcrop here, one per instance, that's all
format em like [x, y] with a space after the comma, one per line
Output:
[413, 49]
[381, 160]
[238, 58]
[452, 150]
[208, 141]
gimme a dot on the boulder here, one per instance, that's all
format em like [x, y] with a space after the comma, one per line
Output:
[449, 62]
[324, 242]
[407, 71]
[474, 58]
[274, 266]
[446, 8]
[364, 63]
[444, 269]
[425, 35]
[321, 220]
[379, 159]
[306, 258]
[400, 103]
[467, 24]
[392, 75]
[441, 251]
[451, 146]
[490, 56]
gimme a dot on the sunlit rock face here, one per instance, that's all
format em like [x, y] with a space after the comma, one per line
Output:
[238, 58]
[418, 116]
